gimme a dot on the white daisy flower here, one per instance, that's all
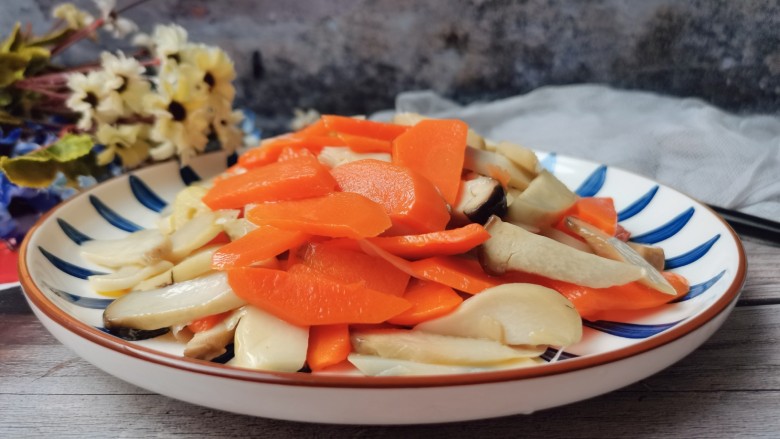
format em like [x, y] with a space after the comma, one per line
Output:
[127, 141]
[126, 81]
[217, 67]
[120, 27]
[168, 42]
[225, 124]
[90, 98]
[181, 115]
[74, 17]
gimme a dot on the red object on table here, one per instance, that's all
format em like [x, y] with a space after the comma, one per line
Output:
[8, 263]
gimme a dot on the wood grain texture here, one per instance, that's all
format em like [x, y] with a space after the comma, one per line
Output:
[730, 387]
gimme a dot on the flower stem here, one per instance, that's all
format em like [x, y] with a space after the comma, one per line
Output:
[78, 36]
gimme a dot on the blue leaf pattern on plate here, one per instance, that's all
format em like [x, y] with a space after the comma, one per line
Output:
[145, 195]
[67, 267]
[638, 205]
[112, 217]
[593, 184]
[550, 353]
[84, 302]
[72, 233]
[691, 256]
[188, 175]
[667, 230]
[699, 289]
[549, 162]
[628, 330]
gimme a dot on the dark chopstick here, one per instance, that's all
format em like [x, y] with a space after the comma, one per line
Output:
[750, 225]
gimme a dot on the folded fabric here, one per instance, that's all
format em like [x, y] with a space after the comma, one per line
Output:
[719, 158]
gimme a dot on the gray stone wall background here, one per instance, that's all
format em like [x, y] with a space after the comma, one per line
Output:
[354, 57]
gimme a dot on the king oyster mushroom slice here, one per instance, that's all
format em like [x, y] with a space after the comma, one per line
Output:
[513, 314]
[161, 280]
[512, 248]
[194, 265]
[654, 255]
[493, 164]
[127, 277]
[187, 205]
[194, 234]
[373, 365]
[172, 305]
[542, 203]
[238, 227]
[138, 248]
[210, 344]
[519, 155]
[613, 248]
[333, 156]
[425, 347]
[265, 342]
[479, 198]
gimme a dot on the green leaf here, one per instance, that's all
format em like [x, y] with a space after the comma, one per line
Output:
[12, 67]
[69, 155]
[9, 119]
[13, 41]
[52, 38]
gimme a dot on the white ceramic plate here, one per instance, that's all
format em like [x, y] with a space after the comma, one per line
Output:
[612, 354]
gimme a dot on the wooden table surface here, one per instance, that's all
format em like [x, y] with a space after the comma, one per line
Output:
[729, 387]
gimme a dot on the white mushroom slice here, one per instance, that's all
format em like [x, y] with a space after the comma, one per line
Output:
[181, 333]
[187, 205]
[497, 166]
[194, 265]
[238, 227]
[161, 280]
[426, 347]
[372, 365]
[563, 238]
[519, 155]
[654, 255]
[513, 314]
[542, 203]
[265, 342]
[332, 156]
[613, 248]
[512, 248]
[138, 248]
[165, 225]
[176, 304]
[209, 344]
[194, 234]
[126, 277]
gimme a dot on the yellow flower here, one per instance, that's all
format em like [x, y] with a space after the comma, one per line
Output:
[90, 97]
[181, 114]
[126, 80]
[74, 17]
[217, 70]
[127, 141]
[225, 124]
[168, 42]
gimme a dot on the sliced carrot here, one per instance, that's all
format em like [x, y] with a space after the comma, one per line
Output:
[221, 238]
[413, 203]
[294, 153]
[256, 246]
[365, 144]
[460, 273]
[349, 266]
[597, 211]
[590, 302]
[338, 214]
[429, 300]
[362, 127]
[269, 151]
[208, 322]
[328, 345]
[446, 242]
[301, 177]
[306, 299]
[436, 149]
[316, 129]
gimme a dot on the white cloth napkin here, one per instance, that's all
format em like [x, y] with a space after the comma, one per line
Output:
[717, 157]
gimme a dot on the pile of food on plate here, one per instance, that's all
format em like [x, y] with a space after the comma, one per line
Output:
[406, 248]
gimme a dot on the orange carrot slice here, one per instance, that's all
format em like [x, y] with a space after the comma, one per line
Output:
[208, 322]
[269, 151]
[413, 203]
[328, 345]
[349, 266]
[365, 144]
[429, 300]
[307, 299]
[597, 211]
[296, 178]
[446, 242]
[316, 129]
[338, 214]
[462, 274]
[436, 149]
[364, 128]
[256, 246]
